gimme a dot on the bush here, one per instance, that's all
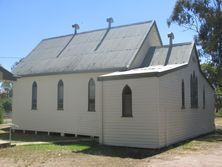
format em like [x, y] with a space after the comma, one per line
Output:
[7, 105]
[1, 115]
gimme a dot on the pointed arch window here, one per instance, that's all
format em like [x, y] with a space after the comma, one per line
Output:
[127, 102]
[34, 96]
[183, 95]
[91, 95]
[194, 91]
[60, 95]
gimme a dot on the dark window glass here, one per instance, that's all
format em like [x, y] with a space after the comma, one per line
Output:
[127, 102]
[91, 95]
[60, 95]
[183, 94]
[194, 91]
[34, 96]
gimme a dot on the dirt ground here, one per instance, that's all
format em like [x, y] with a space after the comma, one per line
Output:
[211, 157]
[208, 158]
[208, 155]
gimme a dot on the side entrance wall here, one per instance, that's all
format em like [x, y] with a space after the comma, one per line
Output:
[141, 130]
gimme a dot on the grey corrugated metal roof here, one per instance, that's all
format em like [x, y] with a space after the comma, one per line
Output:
[6, 75]
[149, 71]
[119, 46]
[166, 55]
[157, 62]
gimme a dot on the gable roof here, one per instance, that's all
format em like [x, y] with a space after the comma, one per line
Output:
[5, 74]
[157, 62]
[165, 55]
[99, 50]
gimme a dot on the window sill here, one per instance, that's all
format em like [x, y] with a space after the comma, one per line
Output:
[60, 109]
[127, 116]
[91, 110]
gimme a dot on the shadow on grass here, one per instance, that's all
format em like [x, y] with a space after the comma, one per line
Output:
[139, 153]
[93, 148]
[212, 137]
[127, 152]
[121, 152]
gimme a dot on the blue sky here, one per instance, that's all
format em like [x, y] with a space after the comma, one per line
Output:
[24, 23]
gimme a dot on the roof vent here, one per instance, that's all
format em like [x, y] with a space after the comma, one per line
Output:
[76, 27]
[171, 37]
[110, 21]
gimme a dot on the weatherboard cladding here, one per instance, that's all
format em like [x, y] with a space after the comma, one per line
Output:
[115, 51]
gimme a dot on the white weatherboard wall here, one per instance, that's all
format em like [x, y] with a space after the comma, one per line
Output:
[177, 124]
[75, 117]
[141, 130]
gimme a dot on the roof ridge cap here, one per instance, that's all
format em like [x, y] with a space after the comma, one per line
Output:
[89, 31]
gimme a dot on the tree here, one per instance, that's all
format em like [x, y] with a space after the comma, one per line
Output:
[212, 74]
[205, 18]
[7, 86]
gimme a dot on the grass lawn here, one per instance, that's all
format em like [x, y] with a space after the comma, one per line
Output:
[85, 153]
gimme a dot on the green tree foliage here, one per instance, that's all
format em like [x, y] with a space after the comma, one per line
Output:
[205, 18]
[7, 86]
[1, 115]
[213, 75]
[7, 105]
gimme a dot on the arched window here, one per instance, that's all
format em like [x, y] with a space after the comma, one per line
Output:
[91, 95]
[127, 102]
[204, 99]
[34, 95]
[183, 94]
[60, 95]
[194, 91]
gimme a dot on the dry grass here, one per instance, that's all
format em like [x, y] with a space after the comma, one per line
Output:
[218, 121]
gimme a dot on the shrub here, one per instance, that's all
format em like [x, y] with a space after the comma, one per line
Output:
[7, 105]
[1, 115]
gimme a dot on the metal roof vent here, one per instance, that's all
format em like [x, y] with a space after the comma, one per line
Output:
[76, 27]
[110, 21]
[171, 37]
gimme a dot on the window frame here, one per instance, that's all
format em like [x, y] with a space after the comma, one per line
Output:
[34, 95]
[60, 102]
[127, 91]
[91, 102]
[183, 94]
[193, 91]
